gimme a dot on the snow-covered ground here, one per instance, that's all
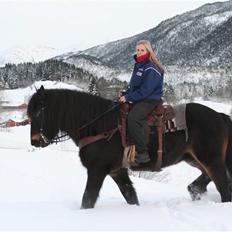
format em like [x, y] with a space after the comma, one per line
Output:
[16, 97]
[41, 189]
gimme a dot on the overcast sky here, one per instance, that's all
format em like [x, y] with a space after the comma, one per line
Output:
[68, 24]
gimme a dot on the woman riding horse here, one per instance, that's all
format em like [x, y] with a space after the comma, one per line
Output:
[209, 144]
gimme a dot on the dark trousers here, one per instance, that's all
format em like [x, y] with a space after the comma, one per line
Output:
[136, 121]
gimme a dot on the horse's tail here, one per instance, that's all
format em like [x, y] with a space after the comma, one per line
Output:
[228, 122]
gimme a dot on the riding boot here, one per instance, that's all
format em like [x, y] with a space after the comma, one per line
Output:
[142, 157]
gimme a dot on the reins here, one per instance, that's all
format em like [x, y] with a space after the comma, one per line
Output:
[58, 139]
[99, 116]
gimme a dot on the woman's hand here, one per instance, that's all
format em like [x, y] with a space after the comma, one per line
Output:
[122, 99]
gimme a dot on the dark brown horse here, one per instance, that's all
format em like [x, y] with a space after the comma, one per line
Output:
[208, 146]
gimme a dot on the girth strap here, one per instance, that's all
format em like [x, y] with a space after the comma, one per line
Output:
[158, 163]
[91, 139]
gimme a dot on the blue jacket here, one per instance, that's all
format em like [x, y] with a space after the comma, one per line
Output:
[146, 82]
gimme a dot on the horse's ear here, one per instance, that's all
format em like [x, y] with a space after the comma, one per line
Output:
[41, 88]
[41, 91]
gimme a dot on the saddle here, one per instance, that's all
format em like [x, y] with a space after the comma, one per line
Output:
[161, 117]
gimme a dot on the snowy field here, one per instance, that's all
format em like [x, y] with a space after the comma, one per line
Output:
[16, 97]
[41, 189]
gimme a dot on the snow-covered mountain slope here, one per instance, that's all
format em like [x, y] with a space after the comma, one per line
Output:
[193, 38]
[91, 64]
[191, 82]
[17, 55]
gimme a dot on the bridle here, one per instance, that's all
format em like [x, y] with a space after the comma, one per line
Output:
[65, 136]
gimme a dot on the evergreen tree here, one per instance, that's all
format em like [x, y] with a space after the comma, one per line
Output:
[95, 90]
[92, 88]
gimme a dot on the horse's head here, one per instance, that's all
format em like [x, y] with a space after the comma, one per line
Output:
[38, 112]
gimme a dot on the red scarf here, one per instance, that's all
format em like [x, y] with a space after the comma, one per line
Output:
[142, 58]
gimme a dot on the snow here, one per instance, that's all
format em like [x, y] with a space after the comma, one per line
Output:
[16, 97]
[41, 189]
[217, 18]
[93, 66]
[124, 76]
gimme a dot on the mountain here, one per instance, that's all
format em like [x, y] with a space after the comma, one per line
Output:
[213, 50]
[92, 64]
[24, 74]
[18, 55]
[199, 37]
[14, 76]
[195, 47]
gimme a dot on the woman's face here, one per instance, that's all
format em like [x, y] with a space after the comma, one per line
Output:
[140, 50]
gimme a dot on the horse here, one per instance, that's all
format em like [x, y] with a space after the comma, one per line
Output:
[76, 114]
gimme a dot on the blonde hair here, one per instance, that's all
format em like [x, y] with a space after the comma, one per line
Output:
[153, 58]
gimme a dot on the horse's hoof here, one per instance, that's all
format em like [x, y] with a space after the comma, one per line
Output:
[87, 205]
[195, 192]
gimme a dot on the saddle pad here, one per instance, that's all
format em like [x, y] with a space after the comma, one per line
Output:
[180, 118]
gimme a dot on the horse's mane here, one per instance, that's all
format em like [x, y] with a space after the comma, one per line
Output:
[71, 109]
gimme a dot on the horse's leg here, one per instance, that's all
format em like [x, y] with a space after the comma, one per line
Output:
[229, 167]
[125, 185]
[198, 186]
[210, 158]
[218, 174]
[229, 174]
[216, 170]
[211, 161]
[94, 183]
